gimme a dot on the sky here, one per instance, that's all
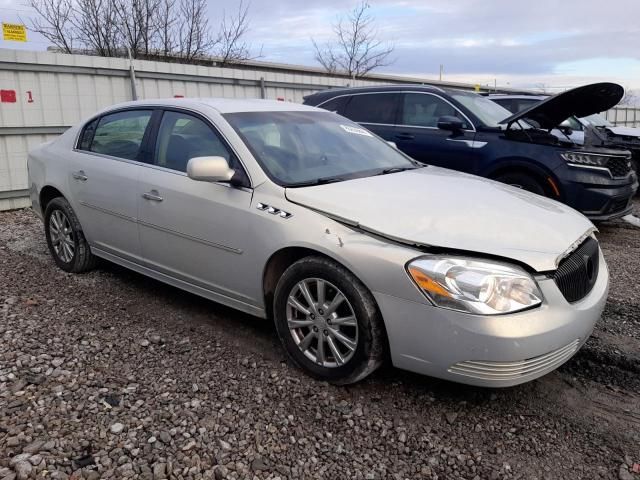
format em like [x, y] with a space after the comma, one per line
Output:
[548, 44]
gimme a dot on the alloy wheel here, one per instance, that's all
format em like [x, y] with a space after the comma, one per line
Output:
[322, 322]
[61, 235]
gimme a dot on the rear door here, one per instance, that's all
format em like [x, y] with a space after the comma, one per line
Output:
[418, 134]
[105, 167]
[196, 232]
[377, 112]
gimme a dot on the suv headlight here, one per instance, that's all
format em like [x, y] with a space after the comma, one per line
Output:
[588, 159]
[474, 286]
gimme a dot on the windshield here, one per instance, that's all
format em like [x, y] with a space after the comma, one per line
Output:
[596, 120]
[302, 148]
[489, 112]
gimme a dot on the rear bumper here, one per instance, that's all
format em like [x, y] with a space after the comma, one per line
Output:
[491, 351]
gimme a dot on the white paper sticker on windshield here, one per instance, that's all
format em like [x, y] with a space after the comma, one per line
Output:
[356, 130]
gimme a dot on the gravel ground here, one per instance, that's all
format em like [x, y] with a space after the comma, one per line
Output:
[112, 375]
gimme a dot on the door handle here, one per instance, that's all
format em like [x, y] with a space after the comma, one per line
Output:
[153, 196]
[405, 136]
[79, 175]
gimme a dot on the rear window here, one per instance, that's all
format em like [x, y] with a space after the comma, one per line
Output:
[120, 134]
[373, 108]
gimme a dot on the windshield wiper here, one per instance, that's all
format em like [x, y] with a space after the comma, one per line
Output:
[318, 181]
[398, 169]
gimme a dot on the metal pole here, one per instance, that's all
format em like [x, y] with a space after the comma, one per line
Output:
[132, 74]
[263, 90]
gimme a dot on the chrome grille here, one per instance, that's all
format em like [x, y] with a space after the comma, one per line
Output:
[515, 370]
[576, 275]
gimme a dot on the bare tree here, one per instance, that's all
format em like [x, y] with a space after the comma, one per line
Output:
[195, 38]
[174, 29]
[631, 98]
[96, 22]
[233, 29]
[54, 22]
[357, 49]
[166, 35]
[137, 21]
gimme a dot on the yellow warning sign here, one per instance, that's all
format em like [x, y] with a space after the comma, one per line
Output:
[14, 32]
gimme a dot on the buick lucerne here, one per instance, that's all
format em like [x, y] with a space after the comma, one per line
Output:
[357, 252]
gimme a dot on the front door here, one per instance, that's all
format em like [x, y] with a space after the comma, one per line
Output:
[103, 180]
[194, 231]
[418, 134]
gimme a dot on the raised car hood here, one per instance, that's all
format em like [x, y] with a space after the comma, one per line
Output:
[580, 102]
[437, 207]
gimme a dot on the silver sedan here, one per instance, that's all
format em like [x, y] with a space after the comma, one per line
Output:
[355, 251]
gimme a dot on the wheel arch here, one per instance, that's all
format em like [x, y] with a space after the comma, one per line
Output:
[48, 193]
[527, 167]
[282, 259]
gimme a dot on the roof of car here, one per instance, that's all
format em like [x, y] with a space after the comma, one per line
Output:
[335, 92]
[222, 105]
[518, 97]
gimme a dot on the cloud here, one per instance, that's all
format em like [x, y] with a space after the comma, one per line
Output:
[505, 39]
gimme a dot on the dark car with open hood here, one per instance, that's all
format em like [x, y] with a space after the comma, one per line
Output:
[465, 131]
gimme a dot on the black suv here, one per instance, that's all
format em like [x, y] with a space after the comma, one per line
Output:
[468, 132]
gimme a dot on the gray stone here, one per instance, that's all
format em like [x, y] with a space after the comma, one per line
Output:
[23, 470]
[117, 428]
[624, 473]
[159, 471]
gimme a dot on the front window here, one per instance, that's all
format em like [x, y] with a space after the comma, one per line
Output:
[182, 137]
[306, 148]
[489, 112]
[425, 109]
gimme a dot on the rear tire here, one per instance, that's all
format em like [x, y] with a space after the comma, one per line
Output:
[67, 244]
[523, 181]
[352, 334]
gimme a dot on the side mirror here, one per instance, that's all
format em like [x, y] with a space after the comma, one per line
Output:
[209, 169]
[451, 123]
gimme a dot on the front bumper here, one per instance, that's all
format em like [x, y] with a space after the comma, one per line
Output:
[595, 194]
[491, 351]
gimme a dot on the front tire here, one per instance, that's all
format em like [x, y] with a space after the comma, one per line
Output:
[328, 322]
[67, 244]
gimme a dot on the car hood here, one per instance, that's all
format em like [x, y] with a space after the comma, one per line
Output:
[580, 102]
[625, 131]
[436, 207]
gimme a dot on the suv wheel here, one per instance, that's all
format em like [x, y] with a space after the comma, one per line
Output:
[328, 321]
[65, 239]
[523, 181]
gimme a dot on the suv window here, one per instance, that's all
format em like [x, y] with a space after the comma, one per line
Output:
[182, 137]
[335, 104]
[424, 110]
[373, 108]
[119, 134]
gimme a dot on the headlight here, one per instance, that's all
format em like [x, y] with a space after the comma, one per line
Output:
[474, 286]
[589, 159]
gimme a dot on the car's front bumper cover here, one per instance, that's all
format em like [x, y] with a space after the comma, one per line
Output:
[491, 351]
